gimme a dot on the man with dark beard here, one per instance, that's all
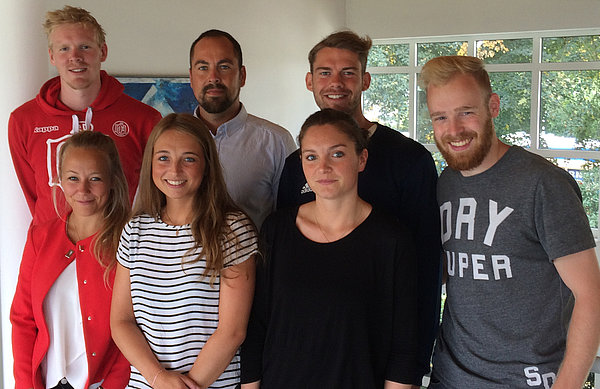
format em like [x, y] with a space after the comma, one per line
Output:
[399, 178]
[517, 245]
[252, 150]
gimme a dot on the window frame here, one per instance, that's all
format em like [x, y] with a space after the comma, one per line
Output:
[535, 67]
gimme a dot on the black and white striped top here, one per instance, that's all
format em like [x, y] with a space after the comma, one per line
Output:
[176, 308]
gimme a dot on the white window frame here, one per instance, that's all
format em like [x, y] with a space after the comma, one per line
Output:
[536, 67]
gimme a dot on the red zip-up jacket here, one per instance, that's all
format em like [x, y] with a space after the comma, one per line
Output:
[38, 128]
[45, 257]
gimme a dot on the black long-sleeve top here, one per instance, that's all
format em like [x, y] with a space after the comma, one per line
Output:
[333, 315]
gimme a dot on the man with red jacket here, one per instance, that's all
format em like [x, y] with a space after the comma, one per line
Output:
[82, 97]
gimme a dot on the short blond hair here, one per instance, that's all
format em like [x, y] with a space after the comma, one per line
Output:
[73, 15]
[440, 70]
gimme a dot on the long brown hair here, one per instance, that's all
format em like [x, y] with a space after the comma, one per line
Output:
[117, 210]
[212, 202]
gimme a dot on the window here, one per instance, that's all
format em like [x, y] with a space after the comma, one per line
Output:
[549, 87]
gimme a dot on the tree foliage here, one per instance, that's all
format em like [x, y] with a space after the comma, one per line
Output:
[387, 100]
[388, 55]
[427, 51]
[513, 122]
[570, 99]
[590, 186]
[570, 106]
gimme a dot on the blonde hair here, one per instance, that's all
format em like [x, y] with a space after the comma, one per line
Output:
[212, 202]
[440, 70]
[73, 15]
[117, 210]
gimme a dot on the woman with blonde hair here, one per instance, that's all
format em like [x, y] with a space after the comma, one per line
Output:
[60, 312]
[185, 278]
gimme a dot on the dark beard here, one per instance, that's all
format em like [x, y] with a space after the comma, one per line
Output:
[217, 104]
[475, 157]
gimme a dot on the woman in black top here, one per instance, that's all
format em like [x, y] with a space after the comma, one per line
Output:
[335, 301]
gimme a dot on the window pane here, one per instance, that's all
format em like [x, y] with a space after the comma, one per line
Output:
[427, 51]
[424, 128]
[571, 49]
[587, 174]
[513, 123]
[570, 110]
[386, 100]
[388, 55]
[505, 50]
[440, 163]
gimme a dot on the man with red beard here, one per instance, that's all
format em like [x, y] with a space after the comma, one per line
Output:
[517, 245]
[399, 178]
[81, 97]
[252, 150]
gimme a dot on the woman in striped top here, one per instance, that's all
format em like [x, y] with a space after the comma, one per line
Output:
[185, 277]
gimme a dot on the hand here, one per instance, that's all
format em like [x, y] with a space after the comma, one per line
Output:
[174, 380]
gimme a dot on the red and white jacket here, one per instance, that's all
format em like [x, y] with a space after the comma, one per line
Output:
[47, 253]
[38, 128]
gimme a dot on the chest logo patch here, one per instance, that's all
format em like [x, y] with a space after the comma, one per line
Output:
[120, 128]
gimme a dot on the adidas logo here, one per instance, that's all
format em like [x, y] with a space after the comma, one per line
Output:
[305, 189]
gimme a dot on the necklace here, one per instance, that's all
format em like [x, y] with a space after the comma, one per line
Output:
[355, 222]
[72, 231]
[73, 236]
[168, 220]
[321, 228]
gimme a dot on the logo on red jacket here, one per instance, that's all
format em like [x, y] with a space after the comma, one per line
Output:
[120, 128]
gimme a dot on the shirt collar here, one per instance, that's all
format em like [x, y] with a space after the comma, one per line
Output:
[232, 126]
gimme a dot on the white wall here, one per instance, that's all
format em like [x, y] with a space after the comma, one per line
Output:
[415, 18]
[22, 70]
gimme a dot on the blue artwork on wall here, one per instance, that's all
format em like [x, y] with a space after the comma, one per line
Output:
[165, 94]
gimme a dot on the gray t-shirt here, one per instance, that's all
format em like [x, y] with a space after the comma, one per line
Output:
[507, 310]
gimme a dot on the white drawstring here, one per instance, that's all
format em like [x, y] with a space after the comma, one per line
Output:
[75, 125]
[87, 124]
[88, 119]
